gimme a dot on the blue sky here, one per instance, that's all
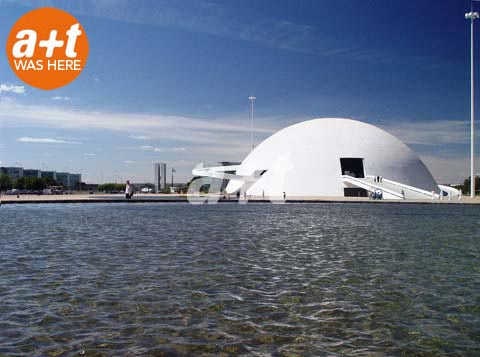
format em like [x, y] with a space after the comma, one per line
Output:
[168, 81]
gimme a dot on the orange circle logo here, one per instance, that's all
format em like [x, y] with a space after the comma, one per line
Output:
[47, 48]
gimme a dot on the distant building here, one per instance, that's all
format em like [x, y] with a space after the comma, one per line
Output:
[52, 175]
[160, 177]
[63, 179]
[75, 180]
[91, 187]
[32, 173]
[13, 172]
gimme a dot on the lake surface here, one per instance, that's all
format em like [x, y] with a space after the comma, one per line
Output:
[294, 279]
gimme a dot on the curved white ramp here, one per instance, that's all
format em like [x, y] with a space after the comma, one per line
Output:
[391, 189]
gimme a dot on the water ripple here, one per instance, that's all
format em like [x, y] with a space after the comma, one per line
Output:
[175, 279]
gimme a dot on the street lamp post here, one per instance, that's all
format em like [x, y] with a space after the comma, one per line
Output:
[119, 177]
[252, 99]
[472, 16]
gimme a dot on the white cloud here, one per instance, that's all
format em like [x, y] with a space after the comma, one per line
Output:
[158, 125]
[11, 88]
[228, 139]
[166, 149]
[449, 169]
[128, 162]
[433, 132]
[61, 98]
[229, 136]
[27, 139]
[88, 154]
[437, 142]
[139, 137]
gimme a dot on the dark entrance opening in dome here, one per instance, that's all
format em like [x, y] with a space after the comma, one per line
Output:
[352, 166]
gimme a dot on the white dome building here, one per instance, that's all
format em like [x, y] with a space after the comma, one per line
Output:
[332, 157]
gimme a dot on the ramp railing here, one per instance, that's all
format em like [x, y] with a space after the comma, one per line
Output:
[425, 193]
[369, 186]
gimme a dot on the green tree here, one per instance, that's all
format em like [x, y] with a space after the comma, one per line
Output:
[21, 183]
[5, 182]
[49, 181]
[35, 183]
[466, 185]
[109, 187]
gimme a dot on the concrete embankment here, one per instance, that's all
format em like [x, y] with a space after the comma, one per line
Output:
[163, 198]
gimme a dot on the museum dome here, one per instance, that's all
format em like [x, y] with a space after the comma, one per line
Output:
[311, 158]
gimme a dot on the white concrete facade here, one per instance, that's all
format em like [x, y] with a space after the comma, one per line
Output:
[304, 160]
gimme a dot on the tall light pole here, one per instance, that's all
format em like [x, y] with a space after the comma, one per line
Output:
[252, 99]
[472, 16]
[119, 177]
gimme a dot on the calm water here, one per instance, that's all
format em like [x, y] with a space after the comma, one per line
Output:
[168, 279]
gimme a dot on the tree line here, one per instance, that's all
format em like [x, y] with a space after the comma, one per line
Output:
[25, 183]
[466, 186]
[110, 187]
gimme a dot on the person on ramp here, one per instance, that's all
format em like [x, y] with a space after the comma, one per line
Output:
[128, 190]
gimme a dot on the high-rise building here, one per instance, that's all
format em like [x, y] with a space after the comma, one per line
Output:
[63, 179]
[160, 178]
[32, 173]
[52, 175]
[75, 181]
[13, 172]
